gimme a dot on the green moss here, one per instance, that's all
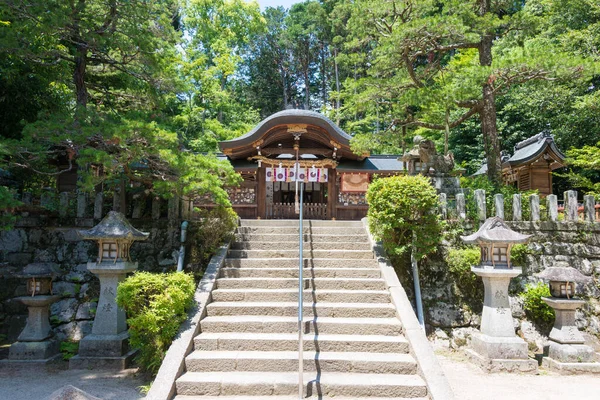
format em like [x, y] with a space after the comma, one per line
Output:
[69, 349]
[459, 262]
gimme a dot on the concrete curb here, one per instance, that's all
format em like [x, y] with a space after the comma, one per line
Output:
[429, 367]
[173, 366]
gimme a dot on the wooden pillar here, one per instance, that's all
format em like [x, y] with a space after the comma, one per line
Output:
[261, 193]
[331, 194]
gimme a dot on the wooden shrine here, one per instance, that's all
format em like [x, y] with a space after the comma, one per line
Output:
[295, 145]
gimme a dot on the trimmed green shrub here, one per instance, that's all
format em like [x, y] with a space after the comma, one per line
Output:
[535, 308]
[156, 305]
[402, 210]
[459, 263]
[205, 235]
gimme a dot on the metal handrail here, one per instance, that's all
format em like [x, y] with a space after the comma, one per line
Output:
[301, 298]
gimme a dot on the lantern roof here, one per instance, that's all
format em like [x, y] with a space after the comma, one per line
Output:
[495, 230]
[113, 226]
[563, 274]
[39, 270]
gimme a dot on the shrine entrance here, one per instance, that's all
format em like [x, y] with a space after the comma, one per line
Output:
[296, 146]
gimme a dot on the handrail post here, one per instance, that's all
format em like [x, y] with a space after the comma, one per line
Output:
[300, 298]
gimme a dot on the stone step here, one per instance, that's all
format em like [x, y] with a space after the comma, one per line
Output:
[278, 361]
[309, 283]
[290, 309]
[276, 254]
[319, 230]
[293, 263]
[295, 222]
[293, 238]
[286, 383]
[290, 397]
[320, 325]
[331, 296]
[246, 341]
[257, 272]
[256, 245]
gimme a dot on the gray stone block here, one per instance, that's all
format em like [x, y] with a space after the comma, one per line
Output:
[34, 350]
[104, 345]
[505, 348]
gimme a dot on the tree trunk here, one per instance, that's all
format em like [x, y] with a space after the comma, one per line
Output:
[284, 87]
[323, 75]
[487, 112]
[306, 89]
[337, 85]
[79, 74]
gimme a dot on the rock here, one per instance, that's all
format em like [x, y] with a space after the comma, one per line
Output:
[44, 255]
[69, 392]
[461, 336]
[63, 310]
[586, 267]
[74, 330]
[12, 241]
[516, 306]
[66, 289]
[19, 258]
[14, 306]
[534, 339]
[77, 276]
[441, 340]
[448, 316]
[86, 311]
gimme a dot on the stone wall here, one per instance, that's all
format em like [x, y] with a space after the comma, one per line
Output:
[561, 236]
[41, 239]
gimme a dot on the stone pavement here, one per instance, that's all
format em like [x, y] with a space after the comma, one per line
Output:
[470, 383]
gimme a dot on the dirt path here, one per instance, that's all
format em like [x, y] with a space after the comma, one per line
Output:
[38, 384]
[470, 383]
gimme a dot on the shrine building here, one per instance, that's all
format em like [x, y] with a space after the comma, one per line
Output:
[298, 145]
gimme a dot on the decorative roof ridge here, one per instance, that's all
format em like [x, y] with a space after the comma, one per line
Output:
[533, 139]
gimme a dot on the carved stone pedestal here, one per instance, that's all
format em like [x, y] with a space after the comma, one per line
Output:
[36, 343]
[567, 352]
[108, 344]
[497, 348]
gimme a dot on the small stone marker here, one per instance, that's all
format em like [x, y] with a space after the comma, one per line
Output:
[460, 206]
[589, 208]
[552, 206]
[443, 206]
[499, 205]
[571, 205]
[534, 207]
[517, 208]
[480, 204]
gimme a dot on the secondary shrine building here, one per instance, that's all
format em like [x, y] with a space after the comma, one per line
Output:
[299, 145]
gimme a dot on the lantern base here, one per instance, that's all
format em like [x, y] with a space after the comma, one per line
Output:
[500, 354]
[571, 368]
[102, 363]
[570, 353]
[43, 351]
[103, 351]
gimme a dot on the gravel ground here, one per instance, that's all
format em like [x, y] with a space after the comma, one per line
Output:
[38, 383]
[470, 383]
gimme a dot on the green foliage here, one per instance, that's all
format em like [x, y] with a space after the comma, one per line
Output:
[69, 349]
[519, 253]
[491, 189]
[535, 308]
[156, 305]
[400, 214]
[460, 261]
[213, 228]
[7, 204]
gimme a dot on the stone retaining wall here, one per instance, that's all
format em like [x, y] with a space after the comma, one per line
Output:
[72, 316]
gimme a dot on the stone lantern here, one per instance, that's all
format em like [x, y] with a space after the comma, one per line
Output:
[496, 347]
[567, 351]
[35, 341]
[108, 345]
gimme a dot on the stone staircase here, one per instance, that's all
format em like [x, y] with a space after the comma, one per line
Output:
[353, 341]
